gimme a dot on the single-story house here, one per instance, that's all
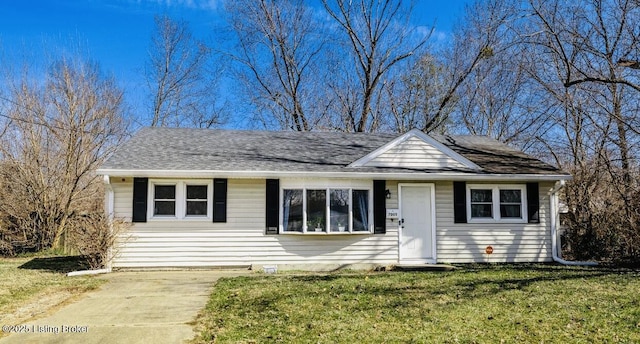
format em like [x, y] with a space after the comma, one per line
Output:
[202, 197]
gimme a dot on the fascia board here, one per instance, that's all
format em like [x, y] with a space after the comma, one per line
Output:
[455, 176]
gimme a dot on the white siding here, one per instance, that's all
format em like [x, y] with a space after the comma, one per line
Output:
[511, 242]
[466, 242]
[239, 241]
[414, 153]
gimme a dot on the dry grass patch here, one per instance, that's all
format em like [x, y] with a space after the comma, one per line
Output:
[476, 304]
[31, 286]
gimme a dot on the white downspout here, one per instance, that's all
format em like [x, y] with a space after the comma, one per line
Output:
[555, 219]
[109, 209]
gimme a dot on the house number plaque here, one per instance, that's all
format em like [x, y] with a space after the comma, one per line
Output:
[392, 213]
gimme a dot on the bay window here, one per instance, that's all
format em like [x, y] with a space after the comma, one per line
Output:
[325, 210]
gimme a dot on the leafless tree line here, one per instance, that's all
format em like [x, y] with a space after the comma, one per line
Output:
[557, 79]
[562, 82]
[55, 133]
[321, 68]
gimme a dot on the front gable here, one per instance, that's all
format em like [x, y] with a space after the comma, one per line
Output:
[415, 149]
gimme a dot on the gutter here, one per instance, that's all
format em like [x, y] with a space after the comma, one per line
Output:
[448, 176]
[555, 235]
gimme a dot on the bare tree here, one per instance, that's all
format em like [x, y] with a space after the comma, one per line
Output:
[595, 46]
[278, 52]
[59, 133]
[496, 100]
[469, 85]
[379, 36]
[181, 78]
[589, 49]
[414, 95]
[480, 41]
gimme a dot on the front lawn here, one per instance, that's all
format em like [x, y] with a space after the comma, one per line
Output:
[29, 286]
[475, 304]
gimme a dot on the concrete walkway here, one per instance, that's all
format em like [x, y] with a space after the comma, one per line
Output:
[132, 307]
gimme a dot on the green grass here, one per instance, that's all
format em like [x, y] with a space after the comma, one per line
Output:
[31, 280]
[476, 304]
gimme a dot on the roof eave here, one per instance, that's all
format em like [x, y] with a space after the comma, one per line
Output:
[354, 175]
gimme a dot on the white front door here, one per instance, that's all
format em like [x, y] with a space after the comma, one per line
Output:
[417, 223]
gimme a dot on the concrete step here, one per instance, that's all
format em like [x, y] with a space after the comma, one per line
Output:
[423, 267]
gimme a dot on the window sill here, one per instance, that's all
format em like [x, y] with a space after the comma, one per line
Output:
[507, 221]
[163, 217]
[186, 219]
[325, 233]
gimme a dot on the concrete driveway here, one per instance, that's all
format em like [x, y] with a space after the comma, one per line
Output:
[133, 307]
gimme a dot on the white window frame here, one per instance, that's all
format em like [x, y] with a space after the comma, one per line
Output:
[495, 200]
[181, 199]
[151, 205]
[326, 185]
[209, 199]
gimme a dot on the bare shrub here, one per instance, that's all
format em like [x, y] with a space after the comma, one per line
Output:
[603, 222]
[95, 237]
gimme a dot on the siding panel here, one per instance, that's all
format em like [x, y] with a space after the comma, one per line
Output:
[239, 241]
[414, 153]
[511, 242]
[242, 241]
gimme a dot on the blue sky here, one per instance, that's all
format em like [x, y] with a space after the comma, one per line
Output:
[116, 33]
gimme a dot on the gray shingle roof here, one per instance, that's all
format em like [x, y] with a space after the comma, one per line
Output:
[235, 150]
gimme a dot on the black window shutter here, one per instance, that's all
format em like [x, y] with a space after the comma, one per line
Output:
[219, 200]
[459, 202]
[379, 207]
[140, 189]
[533, 203]
[272, 206]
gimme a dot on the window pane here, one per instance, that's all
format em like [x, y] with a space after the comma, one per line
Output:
[510, 211]
[164, 192]
[360, 210]
[197, 208]
[481, 210]
[292, 210]
[339, 208]
[164, 208]
[478, 195]
[510, 196]
[316, 210]
[196, 192]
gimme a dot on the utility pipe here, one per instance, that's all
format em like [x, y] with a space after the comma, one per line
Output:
[88, 272]
[555, 219]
